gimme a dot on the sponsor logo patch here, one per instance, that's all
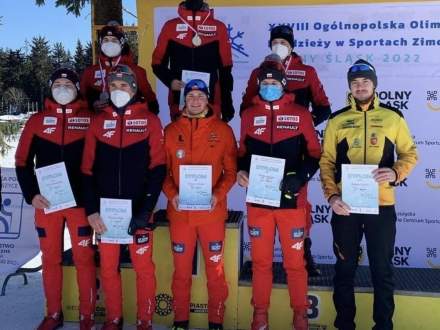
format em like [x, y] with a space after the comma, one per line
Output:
[207, 28]
[215, 246]
[216, 258]
[178, 247]
[49, 130]
[288, 119]
[78, 120]
[297, 233]
[259, 131]
[260, 121]
[136, 122]
[109, 124]
[298, 246]
[99, 74]
[181, 36]
[142, 238]
[181, 28]
[300, 73]
[180, 153]
[108, 134]
[50, 121]
[142, 250]
[254, 232]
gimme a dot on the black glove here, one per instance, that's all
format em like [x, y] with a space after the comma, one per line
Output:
[140, 221]
[153, 106]
[228, 111]
[290, 185]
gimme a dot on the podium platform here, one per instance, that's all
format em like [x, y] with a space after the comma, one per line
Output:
[417, 290]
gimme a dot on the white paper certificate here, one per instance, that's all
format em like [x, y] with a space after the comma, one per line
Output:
[188, 75]
[54, 185]
[359, 190]
[116, 214]
[265, 177]
[195, 187]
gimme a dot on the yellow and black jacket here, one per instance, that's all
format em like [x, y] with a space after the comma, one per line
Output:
[373, 136]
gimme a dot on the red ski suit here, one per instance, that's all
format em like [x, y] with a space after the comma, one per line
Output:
[57, 135]
[204, 141]
[124, 159]
[285, 130]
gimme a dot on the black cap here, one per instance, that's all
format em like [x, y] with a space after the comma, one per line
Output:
[271, 69]
[281, 32]
[362, 69]
[67, 74]
[112, 31]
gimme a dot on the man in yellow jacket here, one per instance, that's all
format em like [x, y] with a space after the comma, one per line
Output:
[365, 132]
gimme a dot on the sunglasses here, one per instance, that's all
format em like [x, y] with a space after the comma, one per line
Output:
[361, 67]
[196, 84]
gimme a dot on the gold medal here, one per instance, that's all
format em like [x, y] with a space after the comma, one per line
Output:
[196, 41]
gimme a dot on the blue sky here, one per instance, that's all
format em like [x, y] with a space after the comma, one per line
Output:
[22, 20]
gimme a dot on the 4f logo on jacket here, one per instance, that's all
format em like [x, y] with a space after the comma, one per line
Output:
[49, 130]
[259, 131]
[109, 134]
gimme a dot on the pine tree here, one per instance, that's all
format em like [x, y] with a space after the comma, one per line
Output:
[59, 56]
[41, 66]
[79, 58]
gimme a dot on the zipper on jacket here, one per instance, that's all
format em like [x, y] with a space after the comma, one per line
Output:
[365, 137]
[271, 128]
[120, 155]
[63, 107]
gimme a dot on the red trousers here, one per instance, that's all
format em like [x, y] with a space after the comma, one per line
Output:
[183, 239]
[291, 224]
[141, 251]
[50, 228]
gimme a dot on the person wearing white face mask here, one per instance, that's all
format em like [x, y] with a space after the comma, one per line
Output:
[302, 79]
[304, 83]
[114, 50]
[125, 142]
[54, 135]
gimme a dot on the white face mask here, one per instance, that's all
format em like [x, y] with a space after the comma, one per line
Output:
[281, 50]
[64, 95]
[111, 49]
[119, 98]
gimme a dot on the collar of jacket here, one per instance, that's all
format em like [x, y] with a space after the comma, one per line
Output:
[126, 59]
[56, 109]
[185, 14]
[201, 121]
[294, 58]
[286, 99]
[354, 106]
[130, 109]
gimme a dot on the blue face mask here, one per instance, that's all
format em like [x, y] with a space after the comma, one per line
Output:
[271, 92]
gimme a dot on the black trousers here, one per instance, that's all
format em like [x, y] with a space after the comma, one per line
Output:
[380, 234]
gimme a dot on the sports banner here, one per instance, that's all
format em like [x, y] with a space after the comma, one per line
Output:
[402, 41]
[18, 237]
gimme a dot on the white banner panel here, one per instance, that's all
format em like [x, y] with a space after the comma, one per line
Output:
[18, 237]
[402, 40]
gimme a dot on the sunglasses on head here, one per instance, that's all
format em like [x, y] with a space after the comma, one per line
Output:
[196, 84]
[361, 67]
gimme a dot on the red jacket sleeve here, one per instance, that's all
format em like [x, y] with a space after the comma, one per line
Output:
[229, 166]
[90, 197]
[251, 91]
[160, 59]
[156, 171]
[320, 105]
[169, 187]
[310, 163]
[24, 162]
[145, 90]
[244, 159]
